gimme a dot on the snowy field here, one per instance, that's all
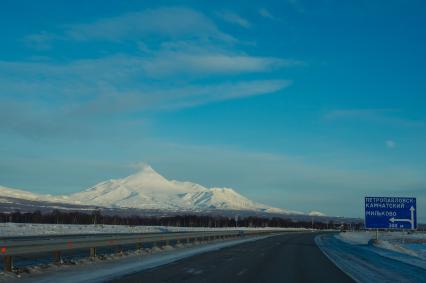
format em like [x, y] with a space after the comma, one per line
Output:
[27, 229]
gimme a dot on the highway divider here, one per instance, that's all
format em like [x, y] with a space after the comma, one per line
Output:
[11, 247]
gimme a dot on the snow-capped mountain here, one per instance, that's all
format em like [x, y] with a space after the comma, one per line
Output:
[147, 189]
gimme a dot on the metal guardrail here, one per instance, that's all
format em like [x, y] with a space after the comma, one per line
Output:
[51, 244]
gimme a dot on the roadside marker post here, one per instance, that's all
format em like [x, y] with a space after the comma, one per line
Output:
[57, 257]
[8, 263]
[93, 253]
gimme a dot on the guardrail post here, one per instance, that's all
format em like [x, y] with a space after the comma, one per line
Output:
[119, 250]
[93, 253]
[139, 246]
[57, 257]
[8, 263]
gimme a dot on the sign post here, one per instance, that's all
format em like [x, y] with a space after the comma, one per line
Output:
[390, 213]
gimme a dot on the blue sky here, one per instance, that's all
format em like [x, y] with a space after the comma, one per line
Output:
[305, 105]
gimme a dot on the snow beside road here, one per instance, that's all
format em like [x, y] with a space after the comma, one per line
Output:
[27, 229]
[102, 271]
[412, 244]
[369, 263]
[363, 237]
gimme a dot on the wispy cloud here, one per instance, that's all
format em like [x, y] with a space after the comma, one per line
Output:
[196, 95]
[86, 76]
[164, 98]
[170, 63]
[382, 116]
[62, 98]
[181, 62]
[199, 58]
[187, 43]
[40, 41]
[166, 21]
[354, 113]
[234, 18]
[38, 120]
[266, 14]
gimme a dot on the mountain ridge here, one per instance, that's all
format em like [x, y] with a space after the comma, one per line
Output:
[147, 189]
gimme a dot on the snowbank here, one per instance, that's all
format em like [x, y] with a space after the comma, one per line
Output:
[363, 237]
[412, 244]
[27, 229]
[369, 263]
[356, 238]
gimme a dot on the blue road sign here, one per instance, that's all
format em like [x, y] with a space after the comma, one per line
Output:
[390, 213]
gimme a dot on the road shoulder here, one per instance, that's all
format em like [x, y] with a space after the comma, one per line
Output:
[104, 271]
[364, 265]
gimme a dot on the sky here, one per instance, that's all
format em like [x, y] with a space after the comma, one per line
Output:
[304, 105]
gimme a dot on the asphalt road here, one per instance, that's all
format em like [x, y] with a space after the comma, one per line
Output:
[285, 258]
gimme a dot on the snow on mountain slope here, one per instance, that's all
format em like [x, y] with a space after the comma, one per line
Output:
[149, 190]
[15, 193]
[146, 189]
[6, 192]
[316, 213]
[224, 198]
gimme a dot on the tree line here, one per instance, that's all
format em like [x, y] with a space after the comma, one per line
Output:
[190, 220]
